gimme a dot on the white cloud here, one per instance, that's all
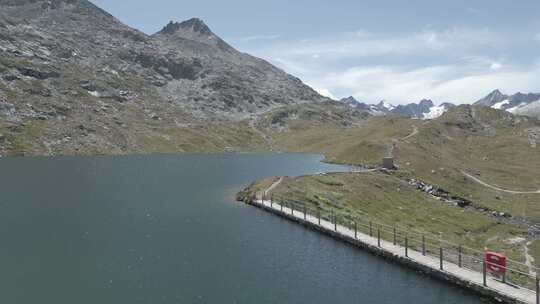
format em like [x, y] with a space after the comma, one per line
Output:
[455, 65]
[362, 33]
[260, 37]
[361, 44]
[495, 66]
[460, 84]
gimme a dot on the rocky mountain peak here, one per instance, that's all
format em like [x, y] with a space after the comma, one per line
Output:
[194, 25]
[492, 98]
[496, 94]
[350, 100]
[384, 104]
[193, 29]
[62, 53]
[519, 103]
[426, 103]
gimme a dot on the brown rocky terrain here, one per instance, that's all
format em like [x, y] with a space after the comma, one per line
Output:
[75, 80]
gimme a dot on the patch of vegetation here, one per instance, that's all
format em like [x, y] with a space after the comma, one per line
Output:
[25, 138]
[487, 143]
[386, 199]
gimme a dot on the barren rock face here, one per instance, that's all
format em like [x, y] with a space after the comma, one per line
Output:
[64, 63]
[185, 63]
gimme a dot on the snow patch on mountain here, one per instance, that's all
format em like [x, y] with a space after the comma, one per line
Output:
[387, 105]
[435, 112]
[532, 109]
[425, 109]
[499, 105]
[515, 108]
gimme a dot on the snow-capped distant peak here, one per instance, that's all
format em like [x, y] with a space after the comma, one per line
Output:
[515, 104]
[387, 105]
[435, 112]
[499, 105]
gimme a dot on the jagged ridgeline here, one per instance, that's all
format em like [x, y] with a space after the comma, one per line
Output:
[74, 78]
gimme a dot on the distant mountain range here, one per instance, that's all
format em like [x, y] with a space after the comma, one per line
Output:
[425, 109]
[519, 103]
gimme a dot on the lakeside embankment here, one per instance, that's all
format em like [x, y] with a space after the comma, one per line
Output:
[435, 266]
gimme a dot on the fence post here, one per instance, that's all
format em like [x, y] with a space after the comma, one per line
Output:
[292, 209]
[406, 246]
[395, 236]
[355, 230]
[370, 229]
[271, 200]
[459, 256]
[319, 215]
[423, 245]
[335, 222]
[441, 257]
[484, 271]
[281, 206]
[378, 236]
[305, 216]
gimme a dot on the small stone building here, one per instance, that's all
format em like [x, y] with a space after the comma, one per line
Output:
[388, 163]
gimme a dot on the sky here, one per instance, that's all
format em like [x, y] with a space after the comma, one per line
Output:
[398, 50]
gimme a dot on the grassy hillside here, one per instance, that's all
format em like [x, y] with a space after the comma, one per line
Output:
[107, 126]
[456, 152]
[494, 146]
[342, 138]
[491, 145]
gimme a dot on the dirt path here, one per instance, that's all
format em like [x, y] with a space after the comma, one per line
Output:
[395, 142]
[497, 188]
[414, 132]
[529, 260]
[273, 186]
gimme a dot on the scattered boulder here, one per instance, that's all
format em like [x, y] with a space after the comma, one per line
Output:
[440, 193]
[159, 82]
[10, 77]
[6, 108]
[38, 74]
[88, 85]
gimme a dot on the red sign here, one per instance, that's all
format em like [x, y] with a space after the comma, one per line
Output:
[495, 263]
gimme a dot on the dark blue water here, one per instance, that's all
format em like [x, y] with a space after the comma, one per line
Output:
[166, 229]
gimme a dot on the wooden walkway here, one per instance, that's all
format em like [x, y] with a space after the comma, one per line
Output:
[429, 264]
